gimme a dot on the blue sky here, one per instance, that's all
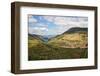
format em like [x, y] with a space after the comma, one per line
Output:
[54, 25]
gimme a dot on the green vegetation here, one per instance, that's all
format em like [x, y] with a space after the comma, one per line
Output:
[53, 49]
[46, 52]
[70, 40]
[72, 44]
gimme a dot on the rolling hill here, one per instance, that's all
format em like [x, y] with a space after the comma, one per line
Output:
[76, 29]
[69, 45]
[73, 38]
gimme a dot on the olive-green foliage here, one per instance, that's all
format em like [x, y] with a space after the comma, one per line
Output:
[70, 40]
[48, 52]
[59, 47]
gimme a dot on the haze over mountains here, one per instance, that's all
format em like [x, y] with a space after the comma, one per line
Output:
[75, 37]
[70, 44]
[42, 37]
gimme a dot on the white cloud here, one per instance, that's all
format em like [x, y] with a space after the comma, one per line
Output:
[34, 31]
[31, 19]
[38, 30]
[49, 18]
[41, 25]
[35, 27]
[63, 23]
[70, 21]
[61, 20]
[66, 21]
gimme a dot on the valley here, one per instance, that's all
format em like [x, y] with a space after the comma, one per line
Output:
[72, 44]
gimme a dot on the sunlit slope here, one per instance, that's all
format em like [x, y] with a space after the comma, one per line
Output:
[71, 39]
[68, 45]
[33, 41]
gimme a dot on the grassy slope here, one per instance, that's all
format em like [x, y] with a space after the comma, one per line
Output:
[38, 50]
[70, 40]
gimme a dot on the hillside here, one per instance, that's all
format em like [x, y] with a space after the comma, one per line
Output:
[69, 45]
[76, 29]
[73, 38]
[33, 40]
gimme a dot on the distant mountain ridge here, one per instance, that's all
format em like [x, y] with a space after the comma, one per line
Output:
[69, 45]
[75, 37]
[76, 29]
[42, 37]
[35, 36]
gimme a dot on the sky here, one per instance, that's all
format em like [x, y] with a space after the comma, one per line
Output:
[54, 25]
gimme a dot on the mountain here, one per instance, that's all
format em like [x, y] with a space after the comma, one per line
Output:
[73, 38]
[34, 36]
[38, 40]
[34, 40]
[77, 29]
[46, 38]
[42, 37]
[68, 45]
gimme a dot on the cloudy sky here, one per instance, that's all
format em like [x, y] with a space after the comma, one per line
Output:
[54, 25]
